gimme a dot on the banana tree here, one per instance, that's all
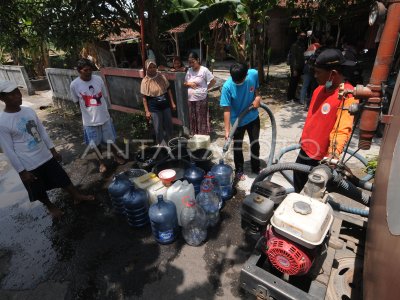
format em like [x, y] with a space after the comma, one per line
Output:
[252, 18]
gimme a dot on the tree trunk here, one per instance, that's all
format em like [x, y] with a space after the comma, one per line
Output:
[152, 32]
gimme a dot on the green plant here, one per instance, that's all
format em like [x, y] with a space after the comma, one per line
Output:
[372, 165]
[130, 126]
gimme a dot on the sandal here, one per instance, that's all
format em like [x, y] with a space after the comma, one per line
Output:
[240, 176]
[102, 168]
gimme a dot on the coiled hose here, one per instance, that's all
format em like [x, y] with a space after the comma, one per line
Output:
[273, 125]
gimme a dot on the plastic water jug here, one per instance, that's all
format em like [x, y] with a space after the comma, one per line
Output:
[156, 189]
[117, 188]
[136, 207]
[199, 141]
[209, 201]
[180, 193]
[146, 180]
[224, 174]
[194, 175]
[194, 223]
[164, 221]
[210, 179]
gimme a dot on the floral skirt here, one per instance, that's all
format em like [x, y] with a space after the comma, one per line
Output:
[199, 117]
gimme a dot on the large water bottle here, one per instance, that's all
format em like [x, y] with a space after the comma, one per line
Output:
[136, 205]
[194, 175]
[179, 193]
[164, 222]
[209, 201]
[117, 188]
[210, 179]
[194, 223]
[224, 174]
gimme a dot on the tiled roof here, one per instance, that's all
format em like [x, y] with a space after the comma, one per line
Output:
[181, 28]
[126, 34]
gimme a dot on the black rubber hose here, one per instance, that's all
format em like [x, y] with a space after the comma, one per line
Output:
[273, 125]
[264, 173]
[338, 206]
[274, 133]
[346, 188]
[361, 183]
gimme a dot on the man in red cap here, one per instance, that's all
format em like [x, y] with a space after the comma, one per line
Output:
[328, 126]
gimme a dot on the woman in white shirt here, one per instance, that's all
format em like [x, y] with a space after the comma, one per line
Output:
[198, 80]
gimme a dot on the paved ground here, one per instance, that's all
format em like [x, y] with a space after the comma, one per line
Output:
[93, 254]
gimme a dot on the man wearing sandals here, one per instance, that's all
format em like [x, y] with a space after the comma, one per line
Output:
[98, 128]
[238, 93]
[31, 152]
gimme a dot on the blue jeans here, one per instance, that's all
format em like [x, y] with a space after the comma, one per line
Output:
[304, 93]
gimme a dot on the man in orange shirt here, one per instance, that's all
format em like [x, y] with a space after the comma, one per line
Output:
[328, 126]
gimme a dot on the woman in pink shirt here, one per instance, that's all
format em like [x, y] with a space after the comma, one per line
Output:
[198, 80]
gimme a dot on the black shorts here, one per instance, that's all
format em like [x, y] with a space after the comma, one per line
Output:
[50, 175]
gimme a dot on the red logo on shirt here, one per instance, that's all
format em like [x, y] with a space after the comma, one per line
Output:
[92, 100]
[251, 89]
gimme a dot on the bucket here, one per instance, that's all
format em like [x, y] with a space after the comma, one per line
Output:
[150, 156]
[179, 165]
[134, 173]
[203, 158]
[179, 153]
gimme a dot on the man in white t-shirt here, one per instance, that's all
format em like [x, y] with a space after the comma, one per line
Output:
[87, 90]
[31, 152]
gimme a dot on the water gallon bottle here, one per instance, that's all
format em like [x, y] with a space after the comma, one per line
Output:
[211, 180]
[179, 193]
[194, 223]
[117, 188]
[224, 174]
[136, 206]
[164, 222]
[209, 201]
[194, 175]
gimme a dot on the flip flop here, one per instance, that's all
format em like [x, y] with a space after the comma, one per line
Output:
[102, 169]
[240, 176]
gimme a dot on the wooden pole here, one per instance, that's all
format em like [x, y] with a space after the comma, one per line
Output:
[141, 17]
[177, 44]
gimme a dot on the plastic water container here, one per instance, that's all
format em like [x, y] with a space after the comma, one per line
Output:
[156, 189]
[180, 193]
[194, 175]
[199, 141]
[136, 206]
[210, 202]
[194, 223]
[210, 179]
[146, 180]
[164, 221]
[224, 174]
[117, 189]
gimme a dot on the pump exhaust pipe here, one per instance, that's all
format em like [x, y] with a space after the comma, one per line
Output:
[380, 72]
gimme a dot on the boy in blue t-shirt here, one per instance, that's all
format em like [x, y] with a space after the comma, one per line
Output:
[238, 93]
